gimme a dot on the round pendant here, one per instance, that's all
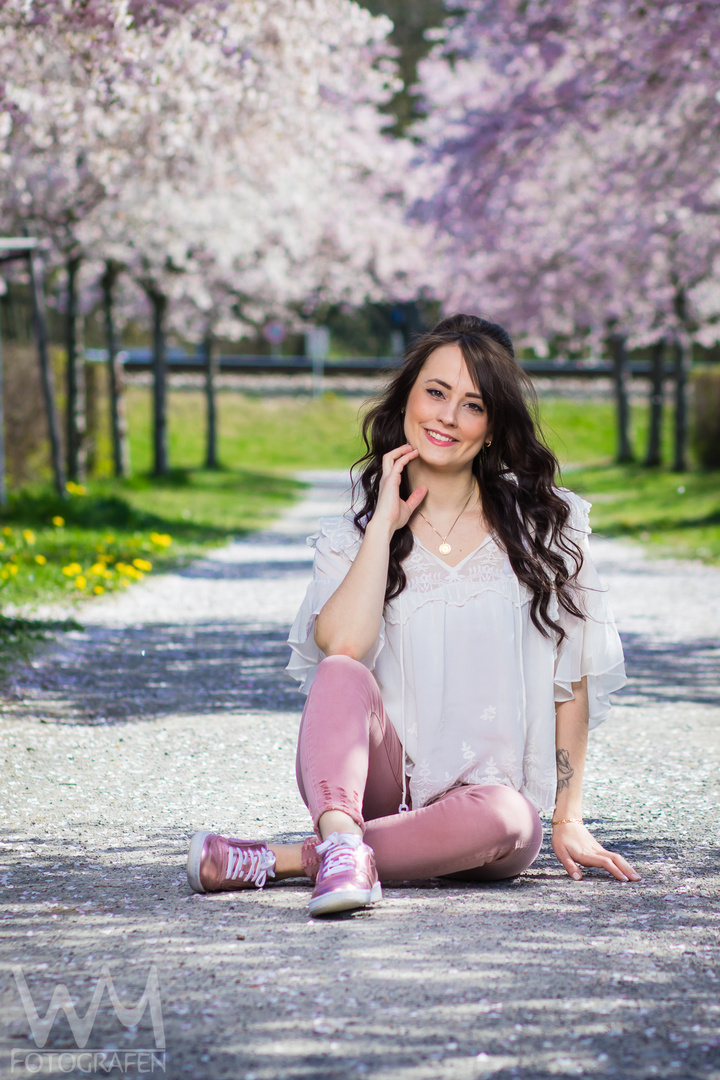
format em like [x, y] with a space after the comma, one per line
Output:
[445, 549]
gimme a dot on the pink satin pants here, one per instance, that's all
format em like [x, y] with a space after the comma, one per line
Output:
[349, 758]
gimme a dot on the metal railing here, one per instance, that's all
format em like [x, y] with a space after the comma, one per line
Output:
[179, 360]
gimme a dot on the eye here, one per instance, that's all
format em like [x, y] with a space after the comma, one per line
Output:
[434, 392]
[476, 407]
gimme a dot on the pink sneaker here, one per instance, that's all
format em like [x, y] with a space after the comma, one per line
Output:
[218, 862]
[347, 877]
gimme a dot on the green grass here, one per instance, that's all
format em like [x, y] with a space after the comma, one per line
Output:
[282, 433]
[583, 432]
[113, 525]
[675, 514]
[678, 514]
[115, 533]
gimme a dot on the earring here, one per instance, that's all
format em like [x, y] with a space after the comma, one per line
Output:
[489, 442]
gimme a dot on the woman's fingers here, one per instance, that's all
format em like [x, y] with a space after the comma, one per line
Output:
[611, 861]
[415, 498]
[583, 850]
[572, 867]
[604, 862]
[625, 866]
[396, 456]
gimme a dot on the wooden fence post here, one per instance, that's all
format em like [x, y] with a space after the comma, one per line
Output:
[118, 416]
[46, 374]
[76, 419]
[211, 371]
[159, 307]
[657, 376]
[622, 398]
[682, 368]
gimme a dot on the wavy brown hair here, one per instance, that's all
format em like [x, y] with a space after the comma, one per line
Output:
[515, 474]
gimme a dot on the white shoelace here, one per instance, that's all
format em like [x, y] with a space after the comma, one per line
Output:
[262, 864]
[338, 852]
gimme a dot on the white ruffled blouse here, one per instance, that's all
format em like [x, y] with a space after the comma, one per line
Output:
[467, 680]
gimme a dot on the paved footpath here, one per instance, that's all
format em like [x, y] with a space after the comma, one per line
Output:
[169, 712]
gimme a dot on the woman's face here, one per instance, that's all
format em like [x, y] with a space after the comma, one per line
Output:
[445, 418]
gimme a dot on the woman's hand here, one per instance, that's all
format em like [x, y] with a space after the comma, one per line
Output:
[575, 846]
[391, 509]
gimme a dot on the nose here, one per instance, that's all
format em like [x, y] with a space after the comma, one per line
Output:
[447, 413]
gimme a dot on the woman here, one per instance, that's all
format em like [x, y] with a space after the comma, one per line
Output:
[455, 645]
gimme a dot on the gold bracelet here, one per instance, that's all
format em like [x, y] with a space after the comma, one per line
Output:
[567, 821]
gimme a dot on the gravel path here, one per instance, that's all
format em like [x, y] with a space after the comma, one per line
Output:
[169, 712]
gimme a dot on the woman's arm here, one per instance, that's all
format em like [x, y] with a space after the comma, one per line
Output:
[573, 844]
[349, 622]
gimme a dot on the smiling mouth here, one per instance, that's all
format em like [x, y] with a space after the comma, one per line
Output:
[438, 437]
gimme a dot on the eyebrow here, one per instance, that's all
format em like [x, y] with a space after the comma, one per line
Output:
[449, 387]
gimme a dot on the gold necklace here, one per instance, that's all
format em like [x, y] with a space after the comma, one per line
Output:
[445, 548]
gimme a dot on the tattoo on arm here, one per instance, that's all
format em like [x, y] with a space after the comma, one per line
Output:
[564, 769]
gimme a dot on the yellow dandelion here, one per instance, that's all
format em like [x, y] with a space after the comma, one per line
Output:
[13, 568]
[97, 569]
[40, 560]
[72, 569]
[2, 544]
[161, 539]
[58, 521]
[108, 539]
[80, 582]
[124, 580]
[143, 564]
[28, 536]
[98, 590]
[7, 531]
[75, 489]
[4, 573]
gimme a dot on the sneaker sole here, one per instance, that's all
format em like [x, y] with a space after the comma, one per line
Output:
[194, 860]
[345, 900]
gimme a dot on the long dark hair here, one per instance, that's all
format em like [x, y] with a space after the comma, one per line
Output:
[516, 473]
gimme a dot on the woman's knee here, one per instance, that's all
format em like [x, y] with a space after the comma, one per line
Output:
[508, 812]
[340, 673]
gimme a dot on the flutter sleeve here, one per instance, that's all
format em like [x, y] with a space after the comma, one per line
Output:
[336, 544]
[592, 647]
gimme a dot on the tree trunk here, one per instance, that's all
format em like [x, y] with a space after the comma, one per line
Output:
[159, 307]
[622, 398]
[118, 415]
[76, 421]
[91, 416]
[211, 370]
[682, 367]
[46, 374]
[657, 372]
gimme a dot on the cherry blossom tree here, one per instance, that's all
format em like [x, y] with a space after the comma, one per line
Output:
[575, 170]
[228, 156]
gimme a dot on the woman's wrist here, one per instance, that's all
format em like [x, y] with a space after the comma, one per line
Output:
[378, 529]
[567, 809]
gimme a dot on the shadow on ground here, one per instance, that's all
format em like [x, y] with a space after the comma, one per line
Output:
[684, 671]
[441, 980]
[155, 670]
[150, 671]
